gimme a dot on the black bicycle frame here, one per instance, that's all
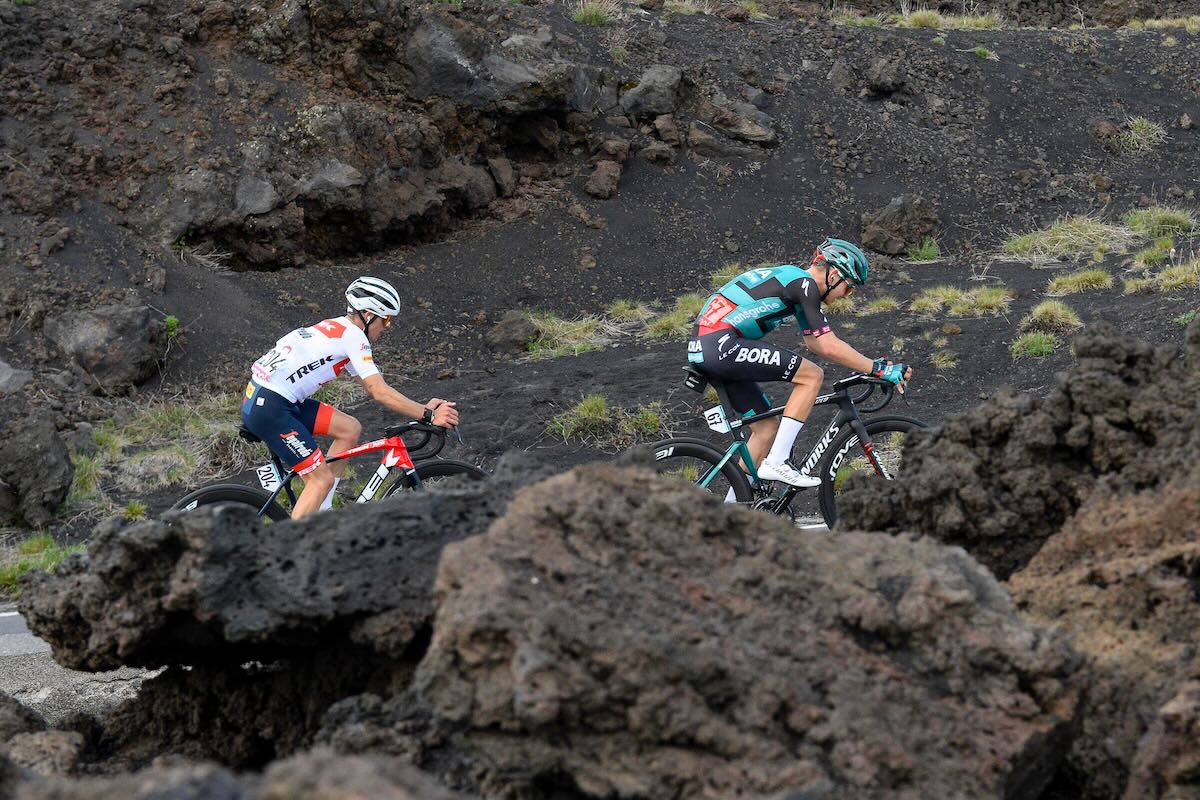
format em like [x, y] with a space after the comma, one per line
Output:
[847, 414]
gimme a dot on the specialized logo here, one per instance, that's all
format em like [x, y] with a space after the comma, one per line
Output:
[758, 355]
[821, 446]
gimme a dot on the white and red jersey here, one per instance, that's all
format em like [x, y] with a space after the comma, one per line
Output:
[308, 357]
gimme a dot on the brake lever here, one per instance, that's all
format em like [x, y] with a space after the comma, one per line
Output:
[457, 435]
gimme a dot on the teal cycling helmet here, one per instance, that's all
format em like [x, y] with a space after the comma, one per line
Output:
[846, 258]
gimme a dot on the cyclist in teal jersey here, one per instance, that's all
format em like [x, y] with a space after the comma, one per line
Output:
[726, 343]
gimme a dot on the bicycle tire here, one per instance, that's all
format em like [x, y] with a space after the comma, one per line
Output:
[671, 456]
[232, 493]
[833, 462]
[432, 471]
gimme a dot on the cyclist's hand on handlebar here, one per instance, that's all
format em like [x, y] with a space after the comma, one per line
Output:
[897, 374]
[445, 414]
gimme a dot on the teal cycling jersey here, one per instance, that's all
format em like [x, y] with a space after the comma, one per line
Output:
[758, 301]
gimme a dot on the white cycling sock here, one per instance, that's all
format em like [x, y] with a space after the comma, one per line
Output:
[789, 429]
[327, 503]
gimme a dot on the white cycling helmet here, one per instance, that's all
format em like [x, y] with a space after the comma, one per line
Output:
[374, 295]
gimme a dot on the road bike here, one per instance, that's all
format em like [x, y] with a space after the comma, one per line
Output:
[849, 445]
[416, 465]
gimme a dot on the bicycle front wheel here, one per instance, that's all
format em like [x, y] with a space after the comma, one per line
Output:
[232, 493]
[848, 456]
[696, 462]
[436, 473]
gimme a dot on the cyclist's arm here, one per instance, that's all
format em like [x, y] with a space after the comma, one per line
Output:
[391, 399]
[829, 346]
[818, 334]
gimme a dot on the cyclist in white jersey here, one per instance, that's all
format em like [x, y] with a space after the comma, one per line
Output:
[279, 410]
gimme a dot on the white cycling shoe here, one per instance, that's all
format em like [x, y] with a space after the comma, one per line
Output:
[786, 473]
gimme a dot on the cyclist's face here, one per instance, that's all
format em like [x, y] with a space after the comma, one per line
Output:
[380, 325]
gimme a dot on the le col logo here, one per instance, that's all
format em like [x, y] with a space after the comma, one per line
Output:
[758, 355]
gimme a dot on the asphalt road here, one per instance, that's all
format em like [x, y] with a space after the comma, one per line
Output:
[28, 673]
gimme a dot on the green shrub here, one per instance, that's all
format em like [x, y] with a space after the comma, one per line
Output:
[86, 483]
[629, 311]
[1190, 24]
[596, 13]
[944, 359]
[567, 337]
[134, 510]
[841, 306]
[971, 22]
[928, 250]
[1180, 276]
[590, 417]
[1069, 236]
[725, 274]
[1051, 316]
[934, 299]
[1034, 344]
[1157, 222]
[1186, 318]
[1141, 135]
[39, 552]
[1136, 285]
[1084, 280]
[924, 18]
[608, 427]
[988, 301]
[1155, 254]
[879, 305]
[677, 323]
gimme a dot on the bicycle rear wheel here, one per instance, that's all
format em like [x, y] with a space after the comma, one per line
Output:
[232, 493]
[437, 473]
[847, 456]
[695, 461]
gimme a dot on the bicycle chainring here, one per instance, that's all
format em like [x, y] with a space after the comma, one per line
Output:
[770, 504]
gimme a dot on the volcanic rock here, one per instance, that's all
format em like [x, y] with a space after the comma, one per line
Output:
[1168, 756]
[37, 469]
[12, 380]
[1001, 479]
[656, 92]
[512, 334]
[209, 586]
[316, 775]
[118, 346]
[588, 639]
[46, 752]
[901, 225]
[604, 179]
[16, 718]
[1121, 578]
